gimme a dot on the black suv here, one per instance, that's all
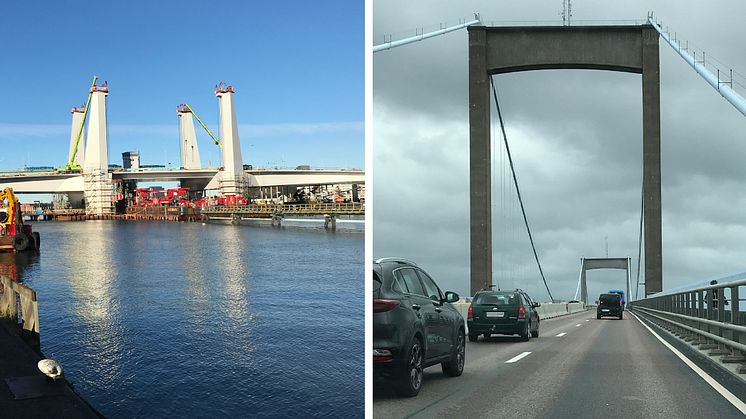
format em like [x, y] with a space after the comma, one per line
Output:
[414, 326]
[503, 312]
[609, 305]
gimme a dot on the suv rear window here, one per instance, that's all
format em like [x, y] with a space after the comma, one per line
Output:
[376, 281]
[497, 298]
[411, 281]
[610, 298]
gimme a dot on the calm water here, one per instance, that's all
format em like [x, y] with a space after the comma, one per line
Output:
[178, 319]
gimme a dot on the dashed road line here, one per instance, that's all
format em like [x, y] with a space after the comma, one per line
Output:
[517, 358]
[561, 334]
[578, 325]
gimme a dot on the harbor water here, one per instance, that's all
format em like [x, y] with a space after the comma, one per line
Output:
[159, 319]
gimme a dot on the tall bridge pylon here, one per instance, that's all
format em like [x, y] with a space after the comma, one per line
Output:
[98, 185]
[498, 50]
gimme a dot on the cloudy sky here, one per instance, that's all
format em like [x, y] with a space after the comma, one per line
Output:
[576, 140]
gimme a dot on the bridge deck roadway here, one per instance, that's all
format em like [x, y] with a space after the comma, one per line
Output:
[602, 368]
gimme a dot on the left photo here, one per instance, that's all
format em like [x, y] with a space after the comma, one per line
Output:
[182, 210]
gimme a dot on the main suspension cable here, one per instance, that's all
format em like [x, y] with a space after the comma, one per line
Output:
[515, 182]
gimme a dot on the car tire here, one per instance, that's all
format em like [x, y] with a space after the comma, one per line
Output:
[526, 333]
[487, 335]
[473, 337]
[455, 365]
[411, 379]
[535, 333]
[598, 316]
[620, 316]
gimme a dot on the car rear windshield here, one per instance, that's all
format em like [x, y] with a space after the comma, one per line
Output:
[610, 298]
[497, 298]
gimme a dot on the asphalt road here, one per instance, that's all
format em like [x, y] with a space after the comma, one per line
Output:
[598, 368]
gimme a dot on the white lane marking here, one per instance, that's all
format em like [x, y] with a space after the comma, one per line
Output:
[517, 358]
[561, 334]
[578, 325]
[735, 401]
[587, 320]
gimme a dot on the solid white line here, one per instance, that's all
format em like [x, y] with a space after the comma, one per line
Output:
[735, 401]
[517, 358]
[561, 334]
[578, 325]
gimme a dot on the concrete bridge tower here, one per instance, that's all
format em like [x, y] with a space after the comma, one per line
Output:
[233, 179]
[74, 130]
[96, 177]
[188, 139]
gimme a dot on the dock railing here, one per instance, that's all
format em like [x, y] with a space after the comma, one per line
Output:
[18, 306]
[319, 208]
[708, 316]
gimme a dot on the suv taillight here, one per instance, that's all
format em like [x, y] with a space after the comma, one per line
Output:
[469, 315]
[381, 305]
[521, 312]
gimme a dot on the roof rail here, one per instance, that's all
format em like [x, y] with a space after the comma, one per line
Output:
[400, 260]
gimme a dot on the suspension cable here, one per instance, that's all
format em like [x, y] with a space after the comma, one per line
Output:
[515, 182]
[639, 244]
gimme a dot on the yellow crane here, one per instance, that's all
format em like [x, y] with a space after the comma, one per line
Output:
[14, 235]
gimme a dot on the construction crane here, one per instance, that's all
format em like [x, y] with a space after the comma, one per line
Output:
[14, 235]
[71, 165]
[186, 107]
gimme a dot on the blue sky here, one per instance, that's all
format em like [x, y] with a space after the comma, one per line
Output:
[297, 67]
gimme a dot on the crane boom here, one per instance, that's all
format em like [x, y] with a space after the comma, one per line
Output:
[214, 138]
[71, 164]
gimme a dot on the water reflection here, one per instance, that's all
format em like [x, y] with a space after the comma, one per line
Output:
[92, 279]
[233, 273]
[13, 265]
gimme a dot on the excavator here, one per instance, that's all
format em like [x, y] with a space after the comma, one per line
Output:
[14, 235]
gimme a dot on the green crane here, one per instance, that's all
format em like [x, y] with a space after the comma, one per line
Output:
[214, 138]
[71, 165]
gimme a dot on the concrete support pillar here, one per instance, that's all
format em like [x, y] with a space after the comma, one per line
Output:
[188, 140]
[234, 180]
[74, 129]
[583, 287]
[97, 181]
[480, 184]
[651, 161]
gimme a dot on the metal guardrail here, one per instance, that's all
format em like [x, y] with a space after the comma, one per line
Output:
[334, 208]
[708, 316]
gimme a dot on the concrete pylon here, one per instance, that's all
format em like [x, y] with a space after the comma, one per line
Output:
[74, 129]
[234, 180]
[188, 140]
[97, 150]
[97, 180]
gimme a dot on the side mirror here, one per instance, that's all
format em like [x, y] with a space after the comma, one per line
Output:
[536, 305]
[596, 302]
[451, 297]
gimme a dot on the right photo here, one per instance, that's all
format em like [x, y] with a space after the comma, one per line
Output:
[558, 209]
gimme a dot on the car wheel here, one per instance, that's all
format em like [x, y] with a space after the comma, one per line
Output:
[473, 337]
[487, 335]
[455, 366]
[598, 316]
[620, 316]
[526, 335]
[411, 380]
[535, 333]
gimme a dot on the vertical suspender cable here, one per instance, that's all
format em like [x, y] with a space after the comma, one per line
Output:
[639, 244]
[515, 182]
